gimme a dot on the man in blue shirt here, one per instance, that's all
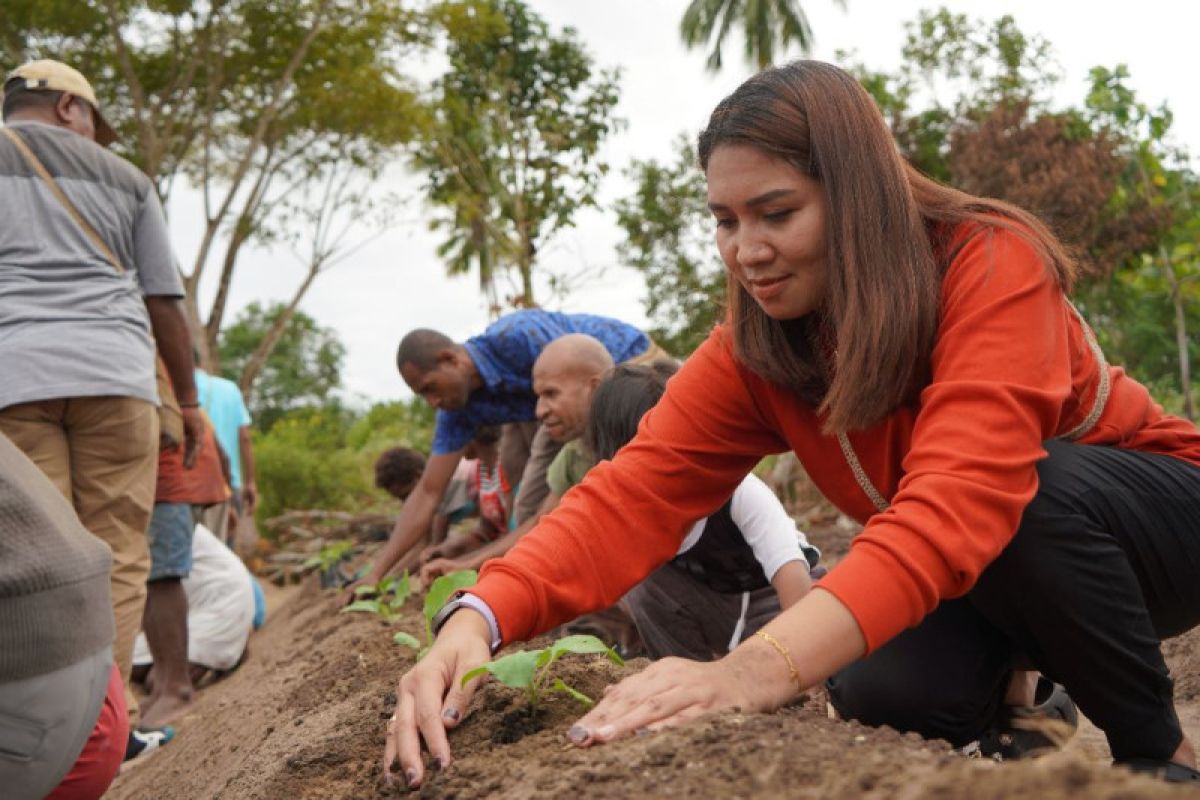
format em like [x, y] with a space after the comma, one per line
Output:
[222, 401]
[487, 380]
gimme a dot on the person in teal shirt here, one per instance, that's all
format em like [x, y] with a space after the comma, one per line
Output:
[222, 400]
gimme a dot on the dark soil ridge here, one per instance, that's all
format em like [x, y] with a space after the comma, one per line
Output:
[305, 717]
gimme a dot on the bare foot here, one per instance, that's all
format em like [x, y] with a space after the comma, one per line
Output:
[161, 710]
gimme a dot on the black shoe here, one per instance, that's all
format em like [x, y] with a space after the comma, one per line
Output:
[143, 742]
[1028, 731]
[1168, 771]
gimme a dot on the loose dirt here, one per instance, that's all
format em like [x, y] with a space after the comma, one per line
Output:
[305, 717]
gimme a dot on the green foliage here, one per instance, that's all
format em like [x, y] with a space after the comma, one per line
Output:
[324, 457]
[401, 423]
[304, 368]
[302, 462]
[669, 239]
[384, 599]
[330, 555]
[767, 27]
[956, 70]
[438, 595]
[530, 669]
[270, 108]
[511, 148]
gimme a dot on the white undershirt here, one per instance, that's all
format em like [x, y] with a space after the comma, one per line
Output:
[764, 522]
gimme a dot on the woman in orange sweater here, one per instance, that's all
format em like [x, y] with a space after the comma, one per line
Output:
[915, 348]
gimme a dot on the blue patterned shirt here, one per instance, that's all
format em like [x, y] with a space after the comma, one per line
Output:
[504, 356]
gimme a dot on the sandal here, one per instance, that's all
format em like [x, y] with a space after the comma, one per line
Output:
[1029, 731]
[1169, 771]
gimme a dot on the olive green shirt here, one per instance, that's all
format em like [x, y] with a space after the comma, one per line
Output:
[568, 467]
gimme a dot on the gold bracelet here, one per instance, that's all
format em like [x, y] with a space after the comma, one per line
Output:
[787, 656]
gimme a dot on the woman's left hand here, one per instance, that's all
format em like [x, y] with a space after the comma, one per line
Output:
[668, 692]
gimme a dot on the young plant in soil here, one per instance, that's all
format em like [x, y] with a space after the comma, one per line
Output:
[383, 599]
[530, 670]
[327, 561]
[439, 593]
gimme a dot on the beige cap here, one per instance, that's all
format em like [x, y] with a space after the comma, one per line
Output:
[54, 76]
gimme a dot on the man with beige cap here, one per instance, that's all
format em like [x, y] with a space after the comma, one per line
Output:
[88, 289]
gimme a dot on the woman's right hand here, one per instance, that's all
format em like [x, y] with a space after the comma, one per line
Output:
[431, 699]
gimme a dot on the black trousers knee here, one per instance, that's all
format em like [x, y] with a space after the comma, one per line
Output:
[1105, 563]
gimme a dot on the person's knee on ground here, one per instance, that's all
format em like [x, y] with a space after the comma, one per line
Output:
[1066, 591]
[944, 679]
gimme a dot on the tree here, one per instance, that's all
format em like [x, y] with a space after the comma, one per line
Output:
[247, 101]
[510, 153]
[1056, 166]
[304, 368]
[971, 106]
[768, 27]
[669, 239]
[1159, 176]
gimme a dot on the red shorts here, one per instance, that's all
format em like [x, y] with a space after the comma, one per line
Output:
[101, 758]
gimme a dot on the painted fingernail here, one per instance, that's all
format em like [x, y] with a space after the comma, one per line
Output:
[440, 763]
[606, 732]
[643, 731]
[450, 715]
[388, 779]
[577, 734]
[411, 777]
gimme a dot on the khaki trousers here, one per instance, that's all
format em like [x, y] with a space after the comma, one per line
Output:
[102, 454]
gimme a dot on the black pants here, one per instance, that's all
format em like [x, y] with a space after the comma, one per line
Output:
[1105, 564]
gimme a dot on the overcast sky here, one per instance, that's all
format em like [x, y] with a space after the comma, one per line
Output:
[397, 283]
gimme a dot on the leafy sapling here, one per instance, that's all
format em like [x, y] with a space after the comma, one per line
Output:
[530, 669]
[439, 593]
[327, 561]
[384, 599]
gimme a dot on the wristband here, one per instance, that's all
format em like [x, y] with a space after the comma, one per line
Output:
[464, 600]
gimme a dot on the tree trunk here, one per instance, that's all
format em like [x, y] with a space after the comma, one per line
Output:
[258, 358]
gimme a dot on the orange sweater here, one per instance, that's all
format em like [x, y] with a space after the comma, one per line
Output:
[1010, 369]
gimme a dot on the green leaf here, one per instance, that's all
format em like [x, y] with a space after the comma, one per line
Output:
[439, 593]
[583, 644]
[407, 639]
[515, 670]
[403, 587]
[559, 686]
[446, 585]
[370, 606]
[361, 590]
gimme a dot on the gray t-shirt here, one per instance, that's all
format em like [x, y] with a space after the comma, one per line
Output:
[70, 324]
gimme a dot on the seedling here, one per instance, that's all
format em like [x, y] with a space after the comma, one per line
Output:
[530, 669]
[384, 599]
[329, 556]
[439, 592]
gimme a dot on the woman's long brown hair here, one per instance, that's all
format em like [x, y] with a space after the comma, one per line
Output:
[867, 349]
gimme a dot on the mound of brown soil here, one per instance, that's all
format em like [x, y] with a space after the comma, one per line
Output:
[305, 717]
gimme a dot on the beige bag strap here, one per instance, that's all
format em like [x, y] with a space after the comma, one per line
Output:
[57, 191]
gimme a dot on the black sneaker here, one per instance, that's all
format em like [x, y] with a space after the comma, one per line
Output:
[1029, 731]
[143, 742]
